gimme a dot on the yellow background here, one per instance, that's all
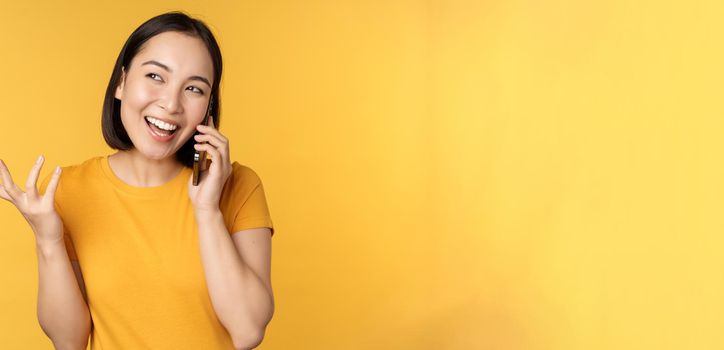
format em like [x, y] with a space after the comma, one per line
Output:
[442, 174]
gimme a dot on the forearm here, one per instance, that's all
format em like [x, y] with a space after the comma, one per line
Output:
[62, 312]
[240, 298]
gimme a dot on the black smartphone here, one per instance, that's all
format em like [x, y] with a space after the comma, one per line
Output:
[200, 163]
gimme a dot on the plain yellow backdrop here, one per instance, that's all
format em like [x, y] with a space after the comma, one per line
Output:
[442, 174]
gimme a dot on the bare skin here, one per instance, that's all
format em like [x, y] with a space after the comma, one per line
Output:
[62, 310]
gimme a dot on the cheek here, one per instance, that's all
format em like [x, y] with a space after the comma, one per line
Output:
[138, 96]
[197, 113]
[136, 99]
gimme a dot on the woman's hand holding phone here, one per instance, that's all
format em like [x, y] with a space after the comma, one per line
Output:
[39, 211]
[206, 196]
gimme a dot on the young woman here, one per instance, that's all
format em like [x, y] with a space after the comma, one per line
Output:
[130, 251]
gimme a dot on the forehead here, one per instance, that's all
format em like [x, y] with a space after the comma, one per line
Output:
[183, 53]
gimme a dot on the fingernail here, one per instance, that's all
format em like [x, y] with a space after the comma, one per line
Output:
[40, 158]
[57, 169]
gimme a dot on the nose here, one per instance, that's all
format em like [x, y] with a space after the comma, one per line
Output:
[171, 102]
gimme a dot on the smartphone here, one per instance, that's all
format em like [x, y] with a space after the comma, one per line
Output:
[200, 163]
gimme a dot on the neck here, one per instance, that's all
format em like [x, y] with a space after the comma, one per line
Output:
[137, 170]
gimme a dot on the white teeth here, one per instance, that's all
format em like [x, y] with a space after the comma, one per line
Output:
[161, 124]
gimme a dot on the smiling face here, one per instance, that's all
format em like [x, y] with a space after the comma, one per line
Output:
[168, 80]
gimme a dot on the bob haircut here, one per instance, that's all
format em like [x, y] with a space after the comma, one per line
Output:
[113, 131]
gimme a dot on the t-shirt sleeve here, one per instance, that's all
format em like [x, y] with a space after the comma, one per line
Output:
[66, 233]
[251, 210]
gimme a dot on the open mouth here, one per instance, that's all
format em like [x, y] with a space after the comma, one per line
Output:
[158, 131]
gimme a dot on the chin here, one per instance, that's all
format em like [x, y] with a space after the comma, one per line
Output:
[156, 155]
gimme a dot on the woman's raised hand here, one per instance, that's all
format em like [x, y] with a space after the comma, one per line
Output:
[38, 211]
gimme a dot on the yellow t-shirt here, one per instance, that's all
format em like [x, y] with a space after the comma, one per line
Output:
[139, 254]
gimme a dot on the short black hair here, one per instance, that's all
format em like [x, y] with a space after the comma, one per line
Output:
[113, 131]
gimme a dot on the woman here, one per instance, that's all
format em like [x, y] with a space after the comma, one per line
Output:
[165, 264]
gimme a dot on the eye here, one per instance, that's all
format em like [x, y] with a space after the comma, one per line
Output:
[153, 75]
[199, 91]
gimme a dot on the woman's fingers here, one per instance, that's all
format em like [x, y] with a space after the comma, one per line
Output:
[219, 141]
[221, 145]
[210, 130]
[210, 149]
[11, 189]
[32, 183]
[52, 185]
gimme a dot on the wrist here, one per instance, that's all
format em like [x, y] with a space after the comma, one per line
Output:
[49, 242]
[49, 248]
[207, 213]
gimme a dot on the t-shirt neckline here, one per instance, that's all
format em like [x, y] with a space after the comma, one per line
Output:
[152, 191]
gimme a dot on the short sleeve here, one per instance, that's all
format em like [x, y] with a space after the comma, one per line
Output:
[66, 233]
[253, 211]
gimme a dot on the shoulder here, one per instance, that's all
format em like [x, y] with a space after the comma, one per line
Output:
[242, 185]
[71, 173]
[83, 168]
[243, 175]
[242, 182]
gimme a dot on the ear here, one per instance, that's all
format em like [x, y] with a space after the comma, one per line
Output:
[119, 88]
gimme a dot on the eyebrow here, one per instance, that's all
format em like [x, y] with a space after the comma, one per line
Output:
[194, 77]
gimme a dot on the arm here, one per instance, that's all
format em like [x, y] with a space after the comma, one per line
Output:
[62, 311]
[239, 288]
